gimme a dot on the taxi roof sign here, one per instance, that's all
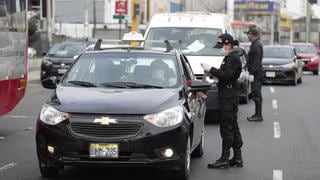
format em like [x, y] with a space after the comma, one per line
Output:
[133, 37]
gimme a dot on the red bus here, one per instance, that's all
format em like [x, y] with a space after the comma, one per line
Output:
[13, 53]
[239, 27]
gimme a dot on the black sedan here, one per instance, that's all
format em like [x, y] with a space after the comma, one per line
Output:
[59, 58]
[281, 64]
[121, 107]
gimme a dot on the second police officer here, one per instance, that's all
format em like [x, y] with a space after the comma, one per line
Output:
[228, 89]
[254, 64]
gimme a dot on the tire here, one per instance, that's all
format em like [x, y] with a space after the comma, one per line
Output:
[315, 72]
[300, 80]
[212, 117]
[47, 170]
[295, 81]
[245, 99]
[184, 172]
[198, 152]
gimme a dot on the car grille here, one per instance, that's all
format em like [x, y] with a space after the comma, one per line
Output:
[119, 130]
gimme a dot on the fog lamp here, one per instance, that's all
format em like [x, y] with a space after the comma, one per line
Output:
[168, 152]
[50, 149]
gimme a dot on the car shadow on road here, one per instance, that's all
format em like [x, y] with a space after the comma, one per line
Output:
[84, 173]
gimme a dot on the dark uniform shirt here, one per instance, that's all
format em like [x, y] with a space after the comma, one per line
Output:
[255, 55]
[228, 75]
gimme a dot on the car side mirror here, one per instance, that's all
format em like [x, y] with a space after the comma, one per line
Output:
[198, 86]
[75, 57]
[44, 53]
[50, 83]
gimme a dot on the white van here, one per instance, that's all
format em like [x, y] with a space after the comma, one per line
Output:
[194, 33]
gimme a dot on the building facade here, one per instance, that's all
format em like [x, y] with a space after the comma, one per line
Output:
[69, 16]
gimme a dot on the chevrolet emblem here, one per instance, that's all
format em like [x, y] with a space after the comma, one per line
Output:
[105, 121]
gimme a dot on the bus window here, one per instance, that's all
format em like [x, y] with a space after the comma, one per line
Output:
[13, 50]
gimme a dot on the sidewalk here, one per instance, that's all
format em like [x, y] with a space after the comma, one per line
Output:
[34, 63]
[34, 70]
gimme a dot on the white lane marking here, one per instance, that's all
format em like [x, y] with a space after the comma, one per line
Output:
[272, 90]
[8, 166]
[274, 104]
[277, 132]
[277, 174]
[2, 138]
[19, 117]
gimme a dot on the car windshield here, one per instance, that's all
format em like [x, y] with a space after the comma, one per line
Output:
[124, 70]
[278, 52]
[192, 41]
[67, 50]
[304, 49]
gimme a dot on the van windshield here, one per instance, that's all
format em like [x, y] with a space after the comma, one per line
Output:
[192, 41]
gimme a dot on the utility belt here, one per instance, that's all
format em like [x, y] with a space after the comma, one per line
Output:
[228, 86]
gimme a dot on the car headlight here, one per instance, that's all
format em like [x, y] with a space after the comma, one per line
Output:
[47, 62]
[49, 115]
[312, 59]
[166, 118]
[288, 66]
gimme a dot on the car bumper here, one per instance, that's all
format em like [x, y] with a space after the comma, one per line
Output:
[311, 66]
[53, 70]
[281, 75]
[139, 151]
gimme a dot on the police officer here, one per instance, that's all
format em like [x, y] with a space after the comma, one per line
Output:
[254, 65]
[228, 89]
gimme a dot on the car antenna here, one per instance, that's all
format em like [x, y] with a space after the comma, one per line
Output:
[97, 46]
[168, 46]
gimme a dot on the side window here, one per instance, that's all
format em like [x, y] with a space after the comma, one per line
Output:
[186, 68]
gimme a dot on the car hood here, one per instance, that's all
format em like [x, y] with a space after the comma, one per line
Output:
[195, 62]
[59, 60]
[276, 61]
[114, 101]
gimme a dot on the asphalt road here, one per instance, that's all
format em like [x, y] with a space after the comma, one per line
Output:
[286, 145]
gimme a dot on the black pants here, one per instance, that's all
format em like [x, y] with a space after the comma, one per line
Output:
[229, 129]
[257, 85]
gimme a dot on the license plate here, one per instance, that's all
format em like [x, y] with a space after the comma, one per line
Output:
[62, 71]
[104, 151]
[270, 74]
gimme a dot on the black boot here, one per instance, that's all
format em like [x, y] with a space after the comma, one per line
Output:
[222, 162]
[236, 161]
[258, 111]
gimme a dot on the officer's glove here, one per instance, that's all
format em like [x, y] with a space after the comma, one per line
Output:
[206, 67]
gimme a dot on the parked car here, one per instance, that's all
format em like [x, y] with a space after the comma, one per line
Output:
[59, 58]
[281, 64]
[195, 34]
[310, 56]
[123, 107]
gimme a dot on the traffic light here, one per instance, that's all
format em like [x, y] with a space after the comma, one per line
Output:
[313, 1]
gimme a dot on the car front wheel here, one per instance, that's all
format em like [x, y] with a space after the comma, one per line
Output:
[198, 152]
[47, 170]
[184, 172]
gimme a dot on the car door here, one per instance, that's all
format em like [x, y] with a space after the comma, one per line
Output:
[197, 105]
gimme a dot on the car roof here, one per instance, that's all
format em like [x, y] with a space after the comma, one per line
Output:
[132, 50]
[189, 19]
[279, 46]
[306, 44]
